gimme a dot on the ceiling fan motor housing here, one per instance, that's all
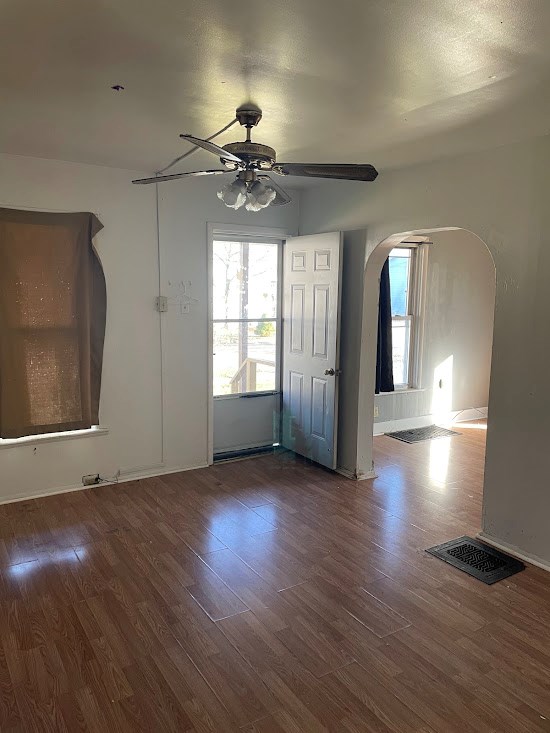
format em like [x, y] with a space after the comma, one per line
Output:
[248, 115]
[255, 154]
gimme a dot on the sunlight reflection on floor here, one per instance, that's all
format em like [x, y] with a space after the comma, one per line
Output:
[439, 459]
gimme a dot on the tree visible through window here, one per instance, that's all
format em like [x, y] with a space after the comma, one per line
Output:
[245, 327]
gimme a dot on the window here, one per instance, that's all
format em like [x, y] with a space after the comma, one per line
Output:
[52, 323]
[405, 296]
[245, 317]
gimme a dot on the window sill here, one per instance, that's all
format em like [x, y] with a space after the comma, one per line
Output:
[53, 437]
[405, 390]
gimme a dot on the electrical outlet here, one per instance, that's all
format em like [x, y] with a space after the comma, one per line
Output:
[376, 411]
[91, 479]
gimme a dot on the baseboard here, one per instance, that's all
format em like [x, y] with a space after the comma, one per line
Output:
[353, 476]
[421, 421]
[245, 446]
[472, 413]
[140, 469]
[368, 475]
[41, 494]
[406, 423]
[346, 472]
[128, 476]
[514, 551]
[156, 472]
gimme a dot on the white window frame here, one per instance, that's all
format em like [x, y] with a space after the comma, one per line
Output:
[416, 299]
[239, 233]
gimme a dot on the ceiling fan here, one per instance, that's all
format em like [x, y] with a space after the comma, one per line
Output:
[252, 186]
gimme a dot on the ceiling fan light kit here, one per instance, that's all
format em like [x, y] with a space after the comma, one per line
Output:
[233, 194]
[252, 187]
[259, 196]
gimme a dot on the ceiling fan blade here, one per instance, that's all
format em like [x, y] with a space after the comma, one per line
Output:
[341, 171]
[282, 197]
[174, 176]
[212, 148]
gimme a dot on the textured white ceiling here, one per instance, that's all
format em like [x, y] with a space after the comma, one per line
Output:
[382, 81]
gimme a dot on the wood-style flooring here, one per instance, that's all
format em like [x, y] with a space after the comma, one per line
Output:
[269, 596]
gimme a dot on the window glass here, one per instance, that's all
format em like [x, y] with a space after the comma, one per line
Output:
[400, 264]
[245, 280]
[245, 291]
[244, 357]
[401, 331]
[400, 260]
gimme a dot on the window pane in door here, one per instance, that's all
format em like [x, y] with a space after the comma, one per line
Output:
[244, 357]
[244, 280]
[401, 328]
[262, 290]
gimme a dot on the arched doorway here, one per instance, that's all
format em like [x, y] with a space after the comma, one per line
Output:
[366, 397]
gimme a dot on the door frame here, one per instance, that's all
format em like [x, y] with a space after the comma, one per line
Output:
[239, 231]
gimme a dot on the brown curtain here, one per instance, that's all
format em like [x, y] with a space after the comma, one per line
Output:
[52, 322]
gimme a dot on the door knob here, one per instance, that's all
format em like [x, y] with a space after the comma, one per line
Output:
[332, 372]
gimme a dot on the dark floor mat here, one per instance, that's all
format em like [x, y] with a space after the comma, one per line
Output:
[479, 560]
[416, 435]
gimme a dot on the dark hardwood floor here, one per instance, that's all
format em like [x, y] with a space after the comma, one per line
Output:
[269, 595]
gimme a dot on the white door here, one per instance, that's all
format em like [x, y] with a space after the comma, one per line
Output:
[311, 309]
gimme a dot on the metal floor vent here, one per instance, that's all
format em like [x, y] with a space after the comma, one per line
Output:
[416, 435]
[477, 559]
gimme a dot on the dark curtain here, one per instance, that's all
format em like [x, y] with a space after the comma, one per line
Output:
[384, 362]
[52, 322]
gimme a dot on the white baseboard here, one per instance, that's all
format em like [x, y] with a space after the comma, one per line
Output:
[353, 476]
[346, 472]
[472, 413]
[408, 423]
[140, 469]
[127, 476]
[40, 494]
[151, 473]
[514, 551]
[244, 446]
[367, 476]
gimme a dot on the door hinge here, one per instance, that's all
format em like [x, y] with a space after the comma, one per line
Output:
[161, 304]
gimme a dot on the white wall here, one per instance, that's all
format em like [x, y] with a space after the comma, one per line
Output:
[131, 390]
[458, 324]
[502, 196]
[130, 395]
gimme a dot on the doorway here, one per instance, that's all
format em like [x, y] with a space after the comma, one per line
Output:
[245, 338]
[454, 314]
[254, 401]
